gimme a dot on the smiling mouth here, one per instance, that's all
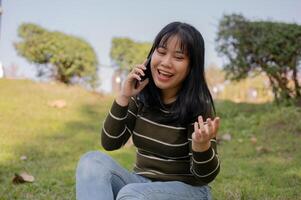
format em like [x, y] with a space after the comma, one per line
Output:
[164, 74]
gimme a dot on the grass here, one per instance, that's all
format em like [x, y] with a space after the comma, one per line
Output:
[54, 139]
[247, 173]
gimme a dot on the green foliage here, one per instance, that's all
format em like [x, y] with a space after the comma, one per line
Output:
[262, 46]
[126, 53]
[58, 55]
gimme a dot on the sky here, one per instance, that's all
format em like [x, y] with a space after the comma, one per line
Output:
[98, 21]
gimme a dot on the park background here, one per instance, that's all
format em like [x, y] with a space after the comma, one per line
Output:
[46, 125]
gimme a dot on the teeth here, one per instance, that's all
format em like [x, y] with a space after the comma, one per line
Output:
[165, 73]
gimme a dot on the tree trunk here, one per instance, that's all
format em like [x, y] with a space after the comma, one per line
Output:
[281, 79]
[274, 88]
[295, 78]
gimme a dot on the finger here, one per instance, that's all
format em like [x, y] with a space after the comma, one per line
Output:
[196, 127]
[135, 76]
[207, 133]
[145, 62]
[210, 127]
[196, 136]
[216, 124]
[201, 123]
[137, 67]
[139, 71]
[142, 84]
[204, 129]
[141, 67]
[204, 132]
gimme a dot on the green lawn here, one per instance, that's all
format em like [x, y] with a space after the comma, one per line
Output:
[53, 139]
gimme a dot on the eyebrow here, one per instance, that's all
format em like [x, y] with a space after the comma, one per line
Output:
[177, 51]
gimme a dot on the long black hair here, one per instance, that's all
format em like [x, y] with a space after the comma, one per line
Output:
[194, 98]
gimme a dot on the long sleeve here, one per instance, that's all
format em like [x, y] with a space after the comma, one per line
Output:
[205, 165]
[118, 125]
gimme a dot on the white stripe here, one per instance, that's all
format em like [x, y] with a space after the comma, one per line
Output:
[165, 111]
[128, 129]
[117, 118]
[203, 176]
[157, 172]
[132, 113]
[162, 125]
[112, 136]
[135, 101]
[145, 173]
[158, 141]
[206, 161]
[161, 159]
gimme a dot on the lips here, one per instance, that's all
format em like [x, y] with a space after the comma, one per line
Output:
[163, 75]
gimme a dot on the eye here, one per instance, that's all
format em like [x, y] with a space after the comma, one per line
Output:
[161, 51]
[179, 58]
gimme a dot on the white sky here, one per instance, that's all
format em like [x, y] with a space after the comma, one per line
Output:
[98, 21]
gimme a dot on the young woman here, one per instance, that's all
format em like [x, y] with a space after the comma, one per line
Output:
[176, 154]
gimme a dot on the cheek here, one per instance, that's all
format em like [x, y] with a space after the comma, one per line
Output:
[154, 59]
[184, 72]
[187, 71]
[152, 71]
[154, 63]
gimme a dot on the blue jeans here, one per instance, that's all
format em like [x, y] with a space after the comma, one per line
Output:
[98, 176]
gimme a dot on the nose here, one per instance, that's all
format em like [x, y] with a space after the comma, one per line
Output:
[166, 61]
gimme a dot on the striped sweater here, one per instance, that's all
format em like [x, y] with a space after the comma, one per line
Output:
[164, 150]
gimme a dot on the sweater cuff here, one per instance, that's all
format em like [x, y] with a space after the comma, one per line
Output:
[203, 156]
[119, 111]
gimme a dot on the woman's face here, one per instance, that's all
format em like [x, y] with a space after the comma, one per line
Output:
[169, 66]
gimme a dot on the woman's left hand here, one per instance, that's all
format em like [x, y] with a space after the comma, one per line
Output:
[203, 133]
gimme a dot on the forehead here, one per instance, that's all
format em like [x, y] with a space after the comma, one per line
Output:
[173, 42]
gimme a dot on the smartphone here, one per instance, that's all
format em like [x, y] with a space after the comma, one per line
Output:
[146, 75]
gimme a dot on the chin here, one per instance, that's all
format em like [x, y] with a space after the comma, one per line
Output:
[162, 86]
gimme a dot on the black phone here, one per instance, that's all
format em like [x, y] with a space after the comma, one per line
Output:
[146, 75]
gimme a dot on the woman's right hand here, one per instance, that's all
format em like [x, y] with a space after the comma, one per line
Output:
[128, 88]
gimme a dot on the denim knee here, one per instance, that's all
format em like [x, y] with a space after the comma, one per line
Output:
[129, 192]
[93, 164]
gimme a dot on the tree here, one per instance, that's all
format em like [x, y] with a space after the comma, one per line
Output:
[57, 54]
[126, 53]
[214, 75]
[262, 46]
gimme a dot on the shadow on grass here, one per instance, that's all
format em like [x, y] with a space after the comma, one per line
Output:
[52, 158]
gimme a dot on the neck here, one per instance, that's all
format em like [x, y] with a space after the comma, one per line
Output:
[169, 96]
